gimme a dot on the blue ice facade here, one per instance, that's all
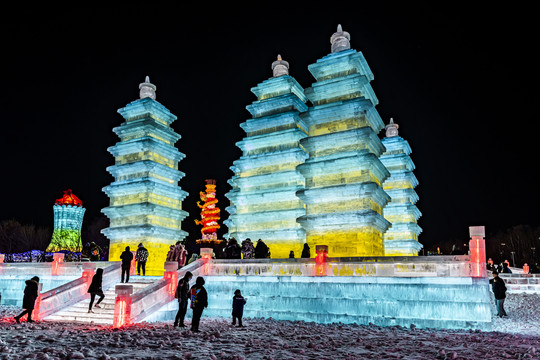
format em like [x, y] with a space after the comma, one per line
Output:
[402, 237]
[145, 199]
[343, 193]
[263, 198]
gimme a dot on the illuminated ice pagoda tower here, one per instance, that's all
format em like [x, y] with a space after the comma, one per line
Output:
[263, 200]
[343, 193]
[145, 199]
[68, 219]
[402, 237]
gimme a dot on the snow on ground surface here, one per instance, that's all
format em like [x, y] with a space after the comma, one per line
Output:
[514, 337]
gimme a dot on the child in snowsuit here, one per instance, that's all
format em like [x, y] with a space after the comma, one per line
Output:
[29, 299]
[95, 289]
[199, 301]
[238, 307]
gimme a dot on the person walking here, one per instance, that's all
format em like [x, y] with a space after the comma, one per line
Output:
[29, 299]
[261, 250]
[95, 289]
[141, 256]
[238, 307]
[199, 301]
[306, 252]
[499, 291]
[126, 257]
[248, 249]
[182, 294]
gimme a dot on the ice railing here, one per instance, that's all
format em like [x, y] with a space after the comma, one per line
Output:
[74, 291]
[134, 307]
[402, 266]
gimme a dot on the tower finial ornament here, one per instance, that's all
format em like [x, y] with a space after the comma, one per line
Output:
[340, 40]
[147, 89]
[280, 67]
[392, 129]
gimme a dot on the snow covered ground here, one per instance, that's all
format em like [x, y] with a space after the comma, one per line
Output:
[515, 337]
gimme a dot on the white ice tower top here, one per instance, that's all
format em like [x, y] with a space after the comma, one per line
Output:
[340, 40]
[392, 129]
[147, 89]
[280, 67]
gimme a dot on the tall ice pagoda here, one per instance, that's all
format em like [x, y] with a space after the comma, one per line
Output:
[263, 198]
[343, 175]
[145, 199]
[402, 237]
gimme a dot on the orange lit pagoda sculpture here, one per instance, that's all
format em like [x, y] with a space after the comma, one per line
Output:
[209, 215]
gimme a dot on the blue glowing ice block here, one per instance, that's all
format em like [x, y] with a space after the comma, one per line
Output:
[145, 199]
[343, 174]
[263, 198]
[402, 237]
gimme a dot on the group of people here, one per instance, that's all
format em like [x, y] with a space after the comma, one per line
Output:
[247, 250]
[199, 301]
[177, 253]
[141, 256]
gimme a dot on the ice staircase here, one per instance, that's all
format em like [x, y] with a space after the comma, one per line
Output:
[78, 312]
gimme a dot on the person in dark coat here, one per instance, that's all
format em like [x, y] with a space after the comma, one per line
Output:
[506, 269]
[95, 289]
[238, 307]
[306, 252]
[291, 255]
[126, 257]
[199, 301]
[29, 299]
[233, 250]
[499, 291]
[261, 250]
[182, 294]
[141, 256]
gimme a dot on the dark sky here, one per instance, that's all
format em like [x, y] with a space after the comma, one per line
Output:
[459, 81]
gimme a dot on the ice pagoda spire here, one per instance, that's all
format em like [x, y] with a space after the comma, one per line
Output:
[147, 89]
[340, 40]
[392, 129]
[280, 67]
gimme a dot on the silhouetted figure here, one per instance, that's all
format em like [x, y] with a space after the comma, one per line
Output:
[29, 299]
[291, 255]
[182, 294]
[238, 307]
[499, 291]
[95, 289]
[248, 249]
[306, 252]
[199, 301]
[233, 250]
[126, 257]
[95, 252]
[261, 250]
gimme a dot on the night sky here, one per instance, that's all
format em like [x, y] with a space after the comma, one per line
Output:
[459, 81]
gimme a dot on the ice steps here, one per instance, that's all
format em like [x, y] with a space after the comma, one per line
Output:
[78, 313]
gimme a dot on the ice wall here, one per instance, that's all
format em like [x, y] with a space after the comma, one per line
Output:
[434, 302]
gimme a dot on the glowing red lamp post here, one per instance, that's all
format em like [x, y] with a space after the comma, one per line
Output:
[133, 265]
[58, 258]
[122, 305]
[37, 304]
[171, 273]
[525, 268]
[206, 255]
[477, 246]
[320, 259]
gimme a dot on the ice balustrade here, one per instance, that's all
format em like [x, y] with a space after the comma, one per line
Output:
[74, 291]
[522, 283]
[134, 307]
[400, 266]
